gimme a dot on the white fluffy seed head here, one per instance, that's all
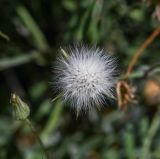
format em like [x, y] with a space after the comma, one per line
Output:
[86, 77]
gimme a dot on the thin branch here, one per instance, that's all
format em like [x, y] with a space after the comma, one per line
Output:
[137, 54]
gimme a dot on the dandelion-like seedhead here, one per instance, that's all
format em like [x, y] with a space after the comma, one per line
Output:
[86, 77]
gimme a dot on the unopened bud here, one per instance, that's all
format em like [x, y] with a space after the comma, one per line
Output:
[21, 110]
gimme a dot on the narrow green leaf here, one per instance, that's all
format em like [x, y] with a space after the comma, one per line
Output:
[37, 35]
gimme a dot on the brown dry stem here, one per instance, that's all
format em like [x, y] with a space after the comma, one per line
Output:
[125, 92]
[139, 52]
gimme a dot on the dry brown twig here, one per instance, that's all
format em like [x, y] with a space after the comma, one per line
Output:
[125, 92]
[139, 52]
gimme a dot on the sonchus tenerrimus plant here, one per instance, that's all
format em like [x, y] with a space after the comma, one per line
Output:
[85, 76]
[21, 112]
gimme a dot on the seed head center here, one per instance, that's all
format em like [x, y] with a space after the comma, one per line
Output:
[86, 81]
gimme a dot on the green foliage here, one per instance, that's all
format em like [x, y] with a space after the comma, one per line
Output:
[31, 32]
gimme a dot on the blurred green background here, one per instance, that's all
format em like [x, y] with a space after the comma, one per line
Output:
[31, 33]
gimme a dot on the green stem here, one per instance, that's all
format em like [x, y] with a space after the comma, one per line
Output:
[28, 122]
[148, 139]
